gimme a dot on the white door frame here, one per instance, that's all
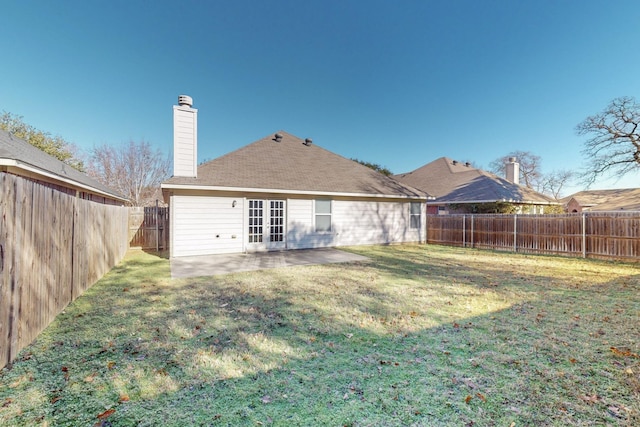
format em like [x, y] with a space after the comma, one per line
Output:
[266, 224]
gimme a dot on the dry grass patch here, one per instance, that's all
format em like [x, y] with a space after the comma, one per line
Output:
[416, 336]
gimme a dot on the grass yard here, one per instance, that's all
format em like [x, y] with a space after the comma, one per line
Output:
[419, 335]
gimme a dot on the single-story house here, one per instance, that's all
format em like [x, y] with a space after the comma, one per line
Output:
[281, 192]
[622, 199]
[459, 187]
[18, 157]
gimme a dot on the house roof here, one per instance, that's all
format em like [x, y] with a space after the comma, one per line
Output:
[450, 181]
[292, 166]
[18, 154]
[607, 200]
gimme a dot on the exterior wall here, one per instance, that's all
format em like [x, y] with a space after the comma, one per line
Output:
[369, 222]
[573, 206]
[202, 225]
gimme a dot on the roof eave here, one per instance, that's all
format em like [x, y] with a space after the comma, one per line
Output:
[281, 191]
[523, 202]
[12, 163]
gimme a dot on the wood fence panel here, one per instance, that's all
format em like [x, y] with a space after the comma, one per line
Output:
[53, 246]
[149, 227]
[606, 235]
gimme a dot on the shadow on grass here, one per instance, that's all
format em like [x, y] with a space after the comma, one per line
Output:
[403, 340]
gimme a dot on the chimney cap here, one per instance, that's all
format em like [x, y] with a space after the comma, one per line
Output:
[513, 159]
[185, 100]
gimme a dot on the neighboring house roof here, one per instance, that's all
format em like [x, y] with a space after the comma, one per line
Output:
[291, 166]
[607, 200]
[456, 182]
[17, 155]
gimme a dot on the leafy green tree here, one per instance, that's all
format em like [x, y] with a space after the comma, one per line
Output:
[383, 170]
[55, 146]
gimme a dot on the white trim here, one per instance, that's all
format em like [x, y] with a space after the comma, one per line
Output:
[50, 175]
[281, 191]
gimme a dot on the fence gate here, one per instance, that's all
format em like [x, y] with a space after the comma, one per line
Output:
[149, 227]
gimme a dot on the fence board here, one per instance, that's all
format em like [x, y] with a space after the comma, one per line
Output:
[605, 235]
[53, 246]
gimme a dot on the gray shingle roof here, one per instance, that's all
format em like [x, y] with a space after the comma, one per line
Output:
[19, 150]
[459, 183]
[607, 200]
[291, 165]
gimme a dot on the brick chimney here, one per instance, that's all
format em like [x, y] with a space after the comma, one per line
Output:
[185, 138]
[513, 170]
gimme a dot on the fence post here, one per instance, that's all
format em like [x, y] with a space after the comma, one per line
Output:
[464, 231]
[515, 233]
[157, 232]
[584, 235]
[471, 240]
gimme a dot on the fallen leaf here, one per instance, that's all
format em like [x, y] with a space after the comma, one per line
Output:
[123, 398]
[481, 396]
[572, 360]
[55, 399]
[7, 402]
[90, 378]
[467, 399]
[622, 352]
[455, 325]
[590, 399]
[106, 414]
[111, 365]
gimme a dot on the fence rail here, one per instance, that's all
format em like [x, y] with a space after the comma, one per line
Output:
[53, 246]
[604, 235]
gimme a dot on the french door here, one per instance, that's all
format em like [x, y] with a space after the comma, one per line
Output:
[266, 225]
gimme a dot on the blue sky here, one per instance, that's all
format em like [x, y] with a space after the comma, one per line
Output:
[399, 83]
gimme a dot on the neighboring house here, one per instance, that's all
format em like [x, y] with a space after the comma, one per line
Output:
[281, 192]
[459, 187]
[18, 157]
[627, 199]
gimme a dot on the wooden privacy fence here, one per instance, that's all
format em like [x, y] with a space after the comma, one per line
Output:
[149, 227]
[53, 246]
[606, 235]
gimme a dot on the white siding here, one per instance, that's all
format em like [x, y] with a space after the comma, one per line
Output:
[301, 227]
[206, 225]
[185, 141]
[353, 223]
[367, 222]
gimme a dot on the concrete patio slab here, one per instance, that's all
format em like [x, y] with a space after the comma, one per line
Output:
[213, 265]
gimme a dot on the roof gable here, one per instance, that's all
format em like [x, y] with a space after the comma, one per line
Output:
[293, 165]
[455, 182]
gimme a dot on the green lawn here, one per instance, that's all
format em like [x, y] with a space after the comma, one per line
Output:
[419, 335]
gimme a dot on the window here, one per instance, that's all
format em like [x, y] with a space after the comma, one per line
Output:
[415, 215]
[323, 215]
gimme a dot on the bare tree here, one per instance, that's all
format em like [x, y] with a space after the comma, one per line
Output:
[530, 173]
[133, 169]
[614, 139]
[553, 183]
